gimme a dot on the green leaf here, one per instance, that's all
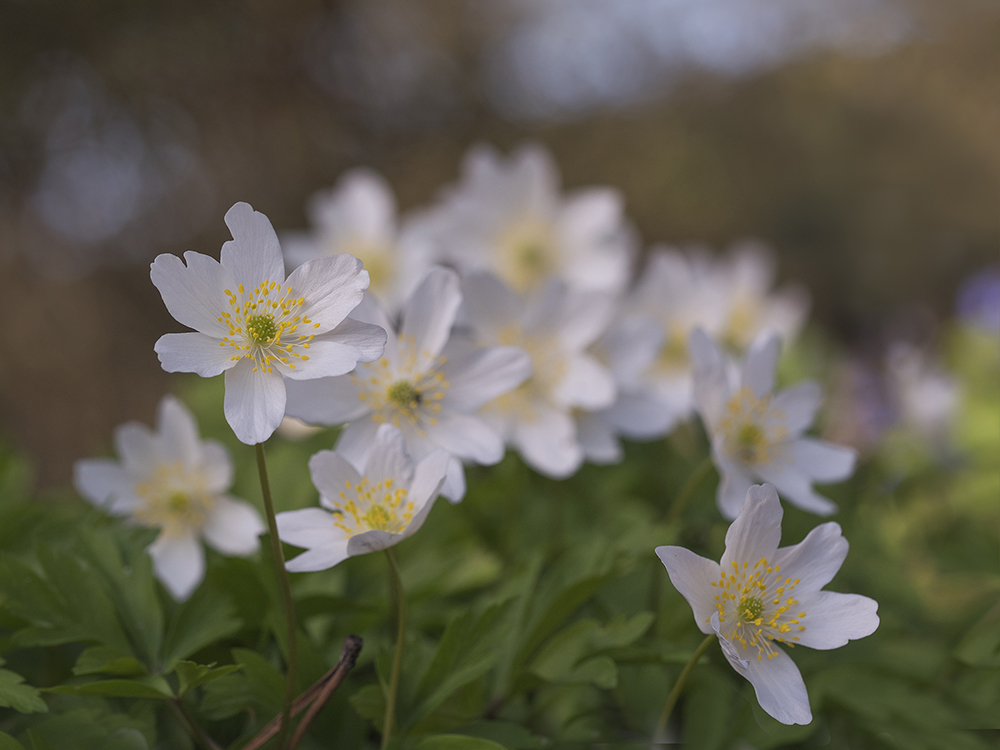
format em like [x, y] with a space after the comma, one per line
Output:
[193, 675]
[457, 742]
[204, 619]
[369, 703]
[152, 686]
[981, 645]
[19, 696]
[9, 743]
[506, 733]
[105, 660]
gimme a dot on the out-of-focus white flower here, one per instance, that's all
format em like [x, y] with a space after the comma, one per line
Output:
[256, 326]
[554, 326]
[424, 385]
[295, 429]
[173, 481]
[746, 277]
[760, 595]
[509, 217]
[368, 506]
[627, 349]
[757, 434]
[358, 217]
[926, 396]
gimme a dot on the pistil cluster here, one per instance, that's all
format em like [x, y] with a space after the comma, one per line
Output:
[174, 498]
[753, 431]
[756, 603]
[372, 507]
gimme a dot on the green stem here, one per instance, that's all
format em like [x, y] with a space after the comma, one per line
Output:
[668, 708]
[397, 660]
[286, 595]
[687, 491]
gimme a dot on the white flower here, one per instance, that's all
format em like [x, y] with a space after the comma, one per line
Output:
[760, 596]
[256, 326]
[509, 217]
[358, 216]
[171, 480]
[426, 385]
[555, 327]
[925, 396]
[757, 434]
[746, 278]
[369, 506]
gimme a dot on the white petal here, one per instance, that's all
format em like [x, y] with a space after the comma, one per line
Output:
[331, 472]
[355, 441]
[430, 314]
[233, 526]
[388, 458]
[796, 487]
[693, 576]
[454, 482]
[640, 416]
[254, 403]
[193, 294]
[326, 359]
[104, 482]
[833, 619]
[757, 372]
[372, 541]
[816, 559]
[489, 303]
[479, 376]
[367, 338]
[320, 558]
[548, 443]
[428, 477]
[193, 352]
[779, 687]
[217, 467]
[757, 530]
[327, 401]
[253, 255]
[138, 448]
[309, 528]
[822, 461]
[798, 406]
[332, 287]
[596, 434]
[629, 348]
[179, 563]
[178, 432]
[734, 483]
[711, 384]
[586, 384]
[467, 437]
[583, 317]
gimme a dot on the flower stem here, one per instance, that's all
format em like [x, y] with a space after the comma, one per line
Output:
[399, 598]
[675, 693]
[286, 595]
[687, 491]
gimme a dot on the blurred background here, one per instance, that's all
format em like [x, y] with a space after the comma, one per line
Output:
[860, 138]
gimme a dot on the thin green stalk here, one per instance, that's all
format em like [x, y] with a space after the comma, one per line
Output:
[675, 693]
[687, 491]
[286, 595]
[397, 660]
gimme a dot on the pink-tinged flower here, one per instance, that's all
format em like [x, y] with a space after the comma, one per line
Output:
[760, 596]
[173, 481]
[258, 327]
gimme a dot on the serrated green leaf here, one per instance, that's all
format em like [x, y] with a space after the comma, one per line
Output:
[193, 675]
[105, 660]
[14, 693]
[202, 620]
[152, 686]
[457, 742]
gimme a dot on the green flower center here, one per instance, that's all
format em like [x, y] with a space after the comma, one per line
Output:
[751, 608]
[403, 393]
[261, 327]
[178, 503]
[749, 440]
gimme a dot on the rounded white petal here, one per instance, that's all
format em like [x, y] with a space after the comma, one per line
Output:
[216, 466]
[833, 619]
[372, 541]
[581, 317]
[757, 529]
[178, 432]
[596, 434]
[430, 313]
[193, 352]
[693, 576]
[326, 401]
[428, 478]
[331, 472]
[489, 303]
[757, 371]
[798, 405]
[367, 338]
[454, 482]
[253, 255]
[388, 459]
[711, 383]
[232, 527]
[179, 563]
[779, 687]
[641, 416]
[326, 359]
[586, 384]
[479, 376]
[319, 558]
[355, 441]
[311, 528]
[548, 443]
[796, 487]
[193, 294]
[138, 448]
[734, 483]
[104, 482]
[816, 559]
[822, 461]
[254, 403]
[332, 287]
[466, 436]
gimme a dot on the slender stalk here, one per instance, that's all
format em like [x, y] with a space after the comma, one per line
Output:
[400, 599]
[349, 655]
[286, 595]
[189, 723]
[675, 693]
[687, 491]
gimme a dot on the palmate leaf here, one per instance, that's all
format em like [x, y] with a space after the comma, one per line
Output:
[14, 693]
[193, 675]
[202, 620]
[150, 686]
[105, 660]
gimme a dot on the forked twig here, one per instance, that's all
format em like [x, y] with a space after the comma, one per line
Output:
[352, 647]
